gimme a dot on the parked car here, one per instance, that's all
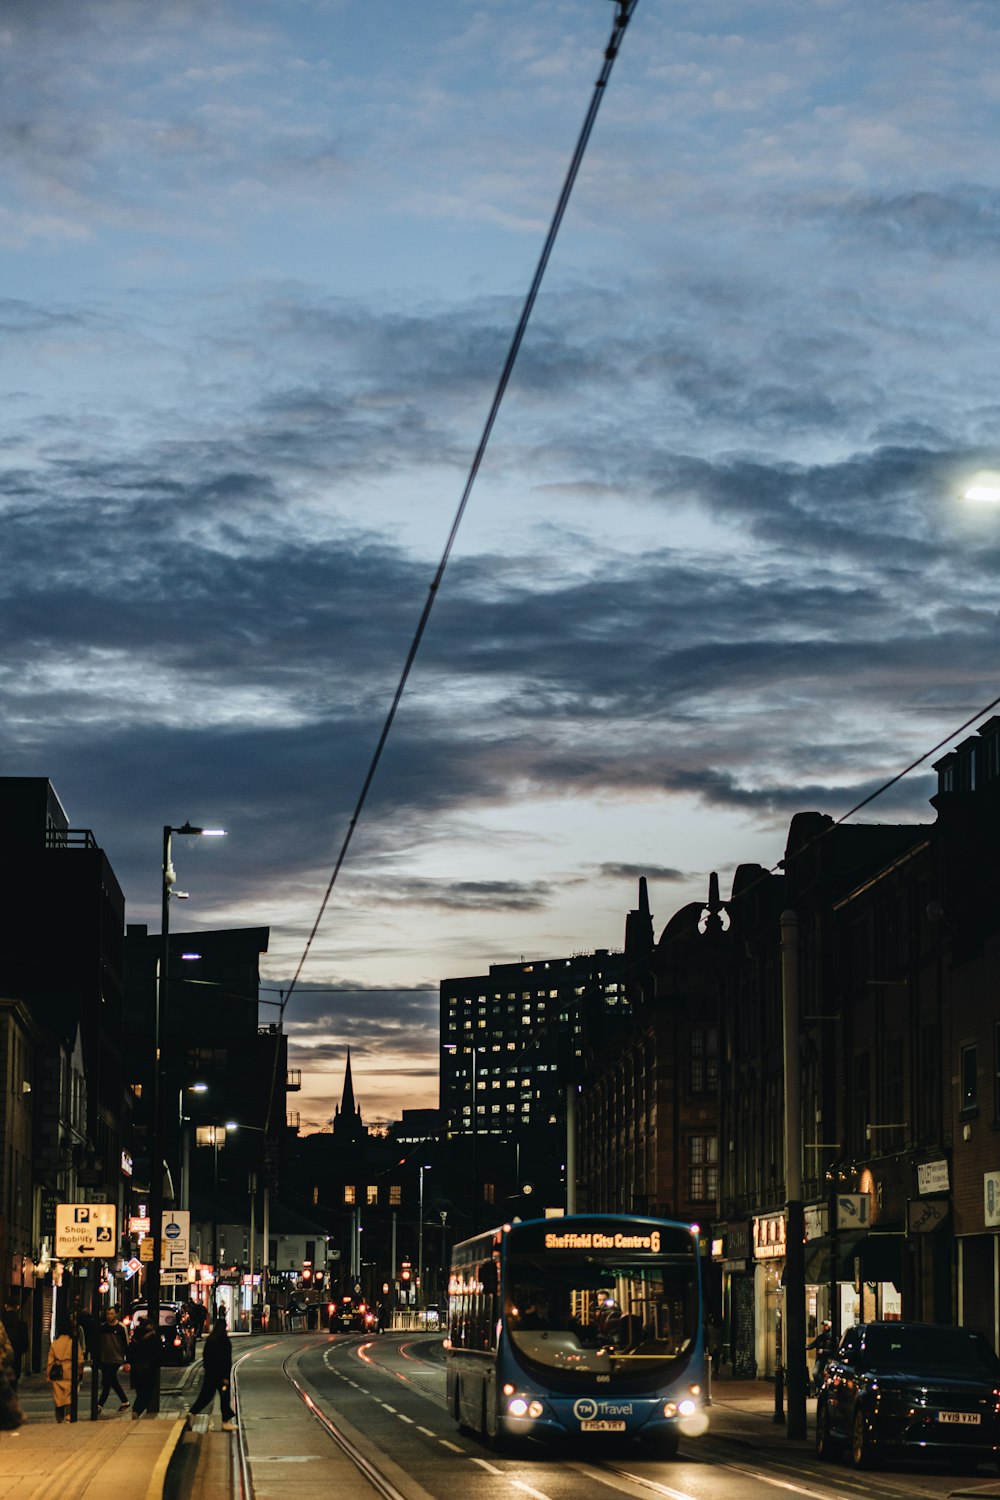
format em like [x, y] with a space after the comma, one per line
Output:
[911, 1390]
[176, 1330]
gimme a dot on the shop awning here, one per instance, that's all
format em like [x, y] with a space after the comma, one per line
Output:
[817, 1258]
[881, 1257]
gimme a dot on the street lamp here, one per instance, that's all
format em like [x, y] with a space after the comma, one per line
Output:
[156, 1107]
[420, 1237]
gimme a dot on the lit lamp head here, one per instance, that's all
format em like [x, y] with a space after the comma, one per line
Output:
[984, 489]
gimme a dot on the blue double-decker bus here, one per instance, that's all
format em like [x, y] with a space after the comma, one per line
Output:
[570, 1327]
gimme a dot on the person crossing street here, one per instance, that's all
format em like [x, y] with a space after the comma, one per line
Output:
[217, 1365]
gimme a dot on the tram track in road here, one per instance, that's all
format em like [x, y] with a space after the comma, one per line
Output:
[372, 1418]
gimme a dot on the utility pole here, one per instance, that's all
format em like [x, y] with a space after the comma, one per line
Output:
[795, 1286]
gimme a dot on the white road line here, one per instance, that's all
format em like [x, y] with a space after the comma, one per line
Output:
[517, 1484]
[453, 1446]
[427, 1432]
[388, 1407]
[485, 1463]
[403, 1418]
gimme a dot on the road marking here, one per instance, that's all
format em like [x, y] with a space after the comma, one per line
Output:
[388, 1407]
[783, 1484]
[646, 1484]
[490, 1468]
[427, 1432]
[453, 1446]
[519, 1485]
[403, 1418]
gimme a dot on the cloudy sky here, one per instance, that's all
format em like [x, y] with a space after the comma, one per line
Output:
[259, 267]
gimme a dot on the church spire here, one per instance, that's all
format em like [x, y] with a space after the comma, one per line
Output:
[347, 1105]
[348, 1127]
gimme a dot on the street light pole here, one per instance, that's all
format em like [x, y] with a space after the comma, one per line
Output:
[420, 1237]
[156, 1099]
[794, 1278]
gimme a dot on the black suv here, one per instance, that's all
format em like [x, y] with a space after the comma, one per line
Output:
[176, 1331]
[911, 1390]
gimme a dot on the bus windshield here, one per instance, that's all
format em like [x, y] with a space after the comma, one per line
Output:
[602, 1314]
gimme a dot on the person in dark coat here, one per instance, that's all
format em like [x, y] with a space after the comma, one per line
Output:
[145, 1355]
[112, 1352]
[217, 1366]
[17, 1331]
[199, 1316]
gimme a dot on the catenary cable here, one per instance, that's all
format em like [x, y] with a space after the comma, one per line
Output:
[624, 12]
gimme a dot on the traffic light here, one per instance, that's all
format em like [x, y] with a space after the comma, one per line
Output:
[406, 1271]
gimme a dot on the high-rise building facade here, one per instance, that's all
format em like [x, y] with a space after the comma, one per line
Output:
[511, 1046]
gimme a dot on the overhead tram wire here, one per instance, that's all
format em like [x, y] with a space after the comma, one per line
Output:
[623, 14]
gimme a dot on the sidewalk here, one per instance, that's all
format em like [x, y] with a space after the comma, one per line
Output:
[745, 1410]
[86, 1460]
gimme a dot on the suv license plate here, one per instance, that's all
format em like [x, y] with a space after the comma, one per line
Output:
[964, 1418]
[602, 1426]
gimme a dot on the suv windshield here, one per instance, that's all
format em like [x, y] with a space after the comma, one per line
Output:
[892, 1347]
[601, 1314]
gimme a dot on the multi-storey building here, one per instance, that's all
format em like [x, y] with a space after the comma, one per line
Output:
[648, 1127]
[60, 896]
[511, 1046]
[895, 952]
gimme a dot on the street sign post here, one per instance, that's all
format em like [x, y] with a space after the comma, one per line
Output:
[176, 1239]
[86, 1231]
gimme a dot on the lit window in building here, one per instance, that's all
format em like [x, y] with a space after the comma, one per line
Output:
[372, 1194]
[395, 1195]
[349, 1195]
[315, 1195]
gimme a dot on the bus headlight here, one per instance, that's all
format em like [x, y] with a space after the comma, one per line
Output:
[535, 1409]
[518, 1407]
[670, 1409]
[687, 1407]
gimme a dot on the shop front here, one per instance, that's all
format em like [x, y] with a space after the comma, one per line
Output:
[731, 1249]
[769, 1265]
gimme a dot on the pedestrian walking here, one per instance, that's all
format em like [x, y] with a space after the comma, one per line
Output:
[217, 1366]
[16, 1330]
[59, 1367]
[199, 1316]
[112, 1353]
[145, 1355]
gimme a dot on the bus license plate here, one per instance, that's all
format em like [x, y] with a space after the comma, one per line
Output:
[966, 1418]
[602, 1425]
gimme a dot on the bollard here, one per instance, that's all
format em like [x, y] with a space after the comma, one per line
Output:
[779, 1394]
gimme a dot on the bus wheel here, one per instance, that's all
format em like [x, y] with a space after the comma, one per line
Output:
[493, 1436]
[460, 1421]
